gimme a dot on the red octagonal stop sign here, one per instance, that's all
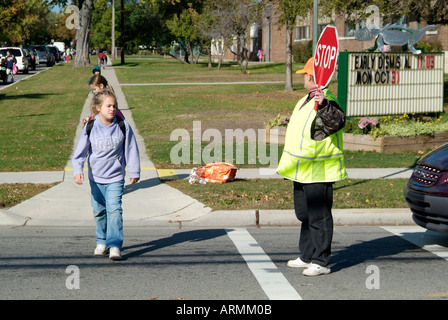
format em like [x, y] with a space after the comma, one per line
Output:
[325, 57]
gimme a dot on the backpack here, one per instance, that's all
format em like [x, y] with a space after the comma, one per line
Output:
[89, 126]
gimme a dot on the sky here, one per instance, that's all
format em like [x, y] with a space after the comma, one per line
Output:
[58, 8]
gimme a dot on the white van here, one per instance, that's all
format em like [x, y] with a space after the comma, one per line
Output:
[19, 54]
[60, 46]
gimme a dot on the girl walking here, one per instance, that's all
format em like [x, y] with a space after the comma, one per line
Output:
[98, 83]
[110, 151]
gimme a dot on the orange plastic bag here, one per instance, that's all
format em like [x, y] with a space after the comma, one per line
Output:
[218, 172]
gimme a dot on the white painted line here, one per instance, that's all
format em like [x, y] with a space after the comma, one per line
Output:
[268, 276]
[199, 83]
[423, 238]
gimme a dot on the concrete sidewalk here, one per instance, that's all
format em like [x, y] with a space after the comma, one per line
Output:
[152, 203]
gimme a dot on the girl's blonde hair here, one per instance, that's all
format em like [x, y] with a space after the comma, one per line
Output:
[99, 98]
[97, 80]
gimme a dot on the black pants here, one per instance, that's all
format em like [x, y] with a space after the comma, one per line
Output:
[312, 205]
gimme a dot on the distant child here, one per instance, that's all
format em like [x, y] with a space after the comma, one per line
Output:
[96, 70]
[96, 84]
[3, 74]
[102, 60]
[110, 151]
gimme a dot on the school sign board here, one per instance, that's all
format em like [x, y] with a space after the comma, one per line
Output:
[390, 83]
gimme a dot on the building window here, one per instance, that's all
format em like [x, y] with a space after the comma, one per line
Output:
[351, 27]
[320, 28]
[302, 33]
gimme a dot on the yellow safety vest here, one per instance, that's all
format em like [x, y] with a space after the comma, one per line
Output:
[306, 160]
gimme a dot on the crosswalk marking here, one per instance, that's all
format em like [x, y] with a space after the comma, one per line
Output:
[265, 271]
[421, 237]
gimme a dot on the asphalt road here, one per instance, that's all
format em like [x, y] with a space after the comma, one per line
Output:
[20, 76]
[368, 263]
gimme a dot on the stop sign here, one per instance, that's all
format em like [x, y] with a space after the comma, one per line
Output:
[325, 57]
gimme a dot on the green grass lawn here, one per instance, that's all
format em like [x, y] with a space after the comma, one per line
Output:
[14, 193]
[40, 117]
[278, 194]
[159, 110]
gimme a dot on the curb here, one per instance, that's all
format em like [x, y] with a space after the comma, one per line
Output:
[233, 218]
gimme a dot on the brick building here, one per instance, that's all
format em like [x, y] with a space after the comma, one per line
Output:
[272, 39]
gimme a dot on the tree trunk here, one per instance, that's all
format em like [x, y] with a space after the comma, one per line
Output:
[82, 34]
[209, 55]
[122, 41]
[288, 80]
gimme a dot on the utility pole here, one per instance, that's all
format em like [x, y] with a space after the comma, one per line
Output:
[113, 30]
[315, 25]
[122, 32]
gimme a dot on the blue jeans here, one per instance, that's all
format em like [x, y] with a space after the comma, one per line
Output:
[107, 212]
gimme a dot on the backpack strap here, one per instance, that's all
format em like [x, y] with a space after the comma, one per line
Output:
[89, 126]
[122, 127]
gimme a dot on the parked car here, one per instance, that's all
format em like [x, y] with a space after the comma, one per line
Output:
[55, 52]
[33, 58]
[51, 57]
[45, 57]
[19, 54]
[426, 191]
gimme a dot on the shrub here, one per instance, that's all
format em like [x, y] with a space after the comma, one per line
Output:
[430, 46]
[398, 125]
[302, 51]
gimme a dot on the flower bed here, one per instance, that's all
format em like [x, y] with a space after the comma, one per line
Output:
[280, 131]
[393, 134]
[393, 144]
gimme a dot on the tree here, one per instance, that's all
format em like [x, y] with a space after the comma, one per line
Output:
[288, 11]
[247, 13]
[182, 27]
[230, 21]
[20, 18]
[101, 25]
[431, 11]
[201, 22]
[219, 28]
[83, 33]
[146, 23]
[56, 29]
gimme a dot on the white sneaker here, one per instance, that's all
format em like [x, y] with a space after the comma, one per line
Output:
[114, 254]
[298, 263]
[100, 250]
[316, 270]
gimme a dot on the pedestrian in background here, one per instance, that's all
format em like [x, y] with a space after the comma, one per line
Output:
[260, 55]
[10, 64]
[102, 60]
[110, 151]
[98, 83]
[3, 72]
[313, 160]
